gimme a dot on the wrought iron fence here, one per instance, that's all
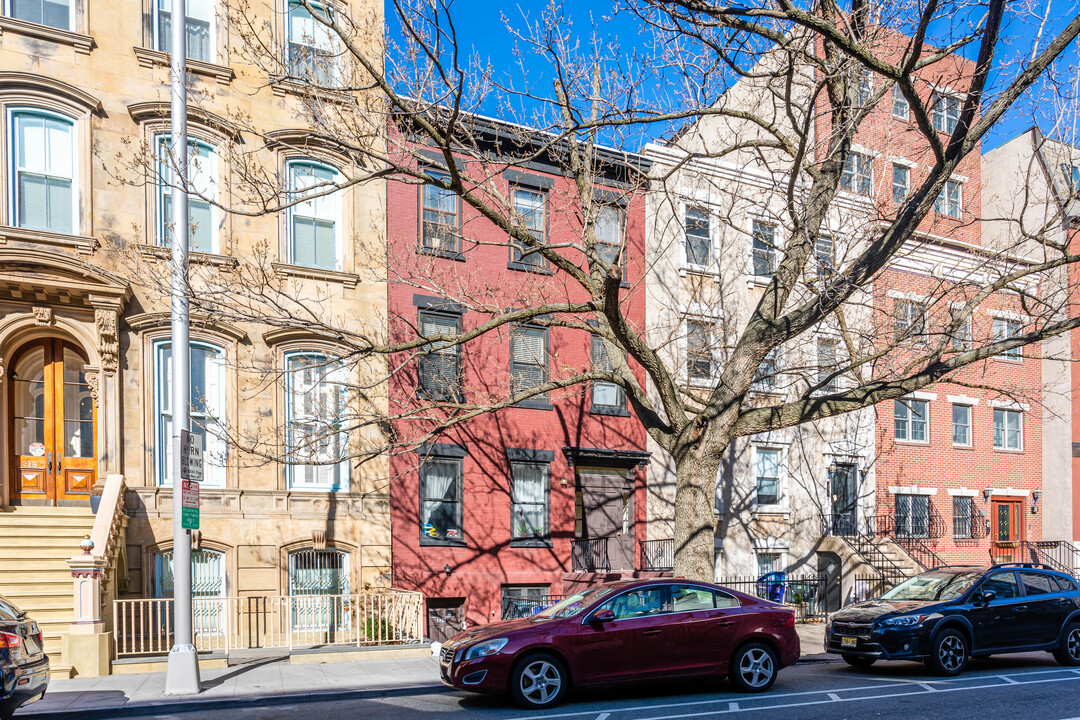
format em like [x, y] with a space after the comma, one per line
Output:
[391, 617]
[590, 555]
[657, 555]
[805, 594]
[868, 587]
[519, 607]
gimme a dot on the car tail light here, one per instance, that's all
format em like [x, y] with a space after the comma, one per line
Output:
[7, 640]
[789, 621]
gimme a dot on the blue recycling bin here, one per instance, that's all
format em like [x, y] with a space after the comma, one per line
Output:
[771, 586]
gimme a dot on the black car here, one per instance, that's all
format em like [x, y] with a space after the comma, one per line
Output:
[24, 669]
[946, 615]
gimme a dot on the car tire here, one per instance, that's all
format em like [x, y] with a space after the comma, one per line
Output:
[859, 661]
[753, 668]
[1069, 652]
[949, 653]
[539, 681]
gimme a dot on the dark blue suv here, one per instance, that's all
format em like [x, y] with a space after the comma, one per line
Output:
[946, 615]
[24, 669]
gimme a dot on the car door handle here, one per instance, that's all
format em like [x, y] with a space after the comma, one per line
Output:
[724, 623]
[1020, 608]
[1063, 601]
[654, 631]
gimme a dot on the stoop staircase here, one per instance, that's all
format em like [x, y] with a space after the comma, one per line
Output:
[882, 555]
[35, 543]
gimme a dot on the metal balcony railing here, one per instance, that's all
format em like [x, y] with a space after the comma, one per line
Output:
[657, 555]
[590, 555]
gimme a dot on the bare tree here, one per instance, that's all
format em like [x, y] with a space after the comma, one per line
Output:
[782, 91]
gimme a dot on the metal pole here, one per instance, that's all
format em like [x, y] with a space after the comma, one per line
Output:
[182, 672]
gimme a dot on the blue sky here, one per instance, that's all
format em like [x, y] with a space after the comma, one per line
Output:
[482, 31]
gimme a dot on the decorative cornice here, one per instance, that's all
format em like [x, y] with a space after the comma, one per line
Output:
[279, 336]
[143, 112]
[83, 44]
[151, 321]
[156, 58]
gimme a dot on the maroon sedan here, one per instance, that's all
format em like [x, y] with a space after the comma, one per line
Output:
[622, 632]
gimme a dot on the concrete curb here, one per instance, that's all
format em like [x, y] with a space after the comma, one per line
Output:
[197, 705]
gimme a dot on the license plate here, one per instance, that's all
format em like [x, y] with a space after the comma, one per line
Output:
[849, 642]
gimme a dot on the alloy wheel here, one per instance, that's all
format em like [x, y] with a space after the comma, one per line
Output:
[951, 653]
[756, 667]
[540, 682]
[1073, 644]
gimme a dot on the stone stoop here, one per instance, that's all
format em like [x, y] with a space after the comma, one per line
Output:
[35, 544]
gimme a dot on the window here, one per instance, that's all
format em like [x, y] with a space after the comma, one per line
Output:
[649, 600]
[1005, 329]
[768, 476]
[699, 364]
[311, 48]
[605, 395]
[314, 577]
[43, 166]
[698, 236]
[54, 13]
[949, 200]
[609, 231]
[900, 107]
[912, 515]
[767, 376]
[1036, 583]
[856, 176]
[911, 420]
[768, 562]
[530, 210]
[962, 339]
[440, 367]
[764, 249]
[530, 492]
[440, 501]
[1071, 173]
[945, 112]
[909, 321]
[202, 194]
[314, 238]
[961, 425]
[318, 445]
[198, 27]
[827, 364]
[901, 182]
[962, 513]
[1002, 584]
[207, 411]
[440, 217]
[207, 581]
[523, 600]
[824, 253]
[691, 598]
[1008, 430]
[866, 87]
[529, 360]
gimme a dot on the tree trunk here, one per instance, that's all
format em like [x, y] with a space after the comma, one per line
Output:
[695, 523]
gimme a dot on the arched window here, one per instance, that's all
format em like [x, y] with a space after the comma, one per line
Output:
[314, 225]
[202, 195]
[319, 586]
[207, 409]
[207, 586]
[318, 447]
[42, 163]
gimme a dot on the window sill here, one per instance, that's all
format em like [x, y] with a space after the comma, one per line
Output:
[525, 267]
[534, 405]
[156, 58]
[1014, 361]
[758, 280]
[963, 447]
[609, 410]
[700, 270]
[914, 443]
[434, 542]
[160, 252]
[426, 396]
[770, 512]
[532, 543]
[456, 256]
[314, 273]
[1009, 451]
[284, 86]
[79, 243]
[82, 44]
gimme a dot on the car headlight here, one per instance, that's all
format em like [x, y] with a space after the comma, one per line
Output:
[903, 621]
[489, 647]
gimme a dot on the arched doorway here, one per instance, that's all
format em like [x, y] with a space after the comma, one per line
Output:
[53, 428]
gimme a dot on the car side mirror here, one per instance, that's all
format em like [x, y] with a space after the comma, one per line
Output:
[986, 596]
[603, 615]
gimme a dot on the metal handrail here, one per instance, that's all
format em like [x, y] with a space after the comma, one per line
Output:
[590, 555]
[657, 555]
[862, 542]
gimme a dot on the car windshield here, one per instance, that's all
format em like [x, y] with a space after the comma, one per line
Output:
[8, 611]
[943, 585]
[574, 604]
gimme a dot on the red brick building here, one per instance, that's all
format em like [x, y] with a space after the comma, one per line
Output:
[534, 499]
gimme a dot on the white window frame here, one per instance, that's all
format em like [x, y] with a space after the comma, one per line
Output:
[832, 264]
[711, 228]
[160, 42]
[214, 475]
[781, 470]
[163, 181]
[332, 202]
[834, 383]
[898, 95]
[1006, 413]
[772, 253]
[13, 170]
[770, 384]
[1008, 325]
[907, 181]
[695, 380]
[910, 318]
[860, 161]
[779, 565]
[970, 416]
[71, 15]
[941, 120]
[908, 403]
[338, 473]
[333, 67]
[942, 205]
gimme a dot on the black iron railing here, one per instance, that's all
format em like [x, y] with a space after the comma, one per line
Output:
[868, 587]
[657, 555]
[518, 607]
[1060, 555]
[590, 555]
[862, 541]
[805, 594]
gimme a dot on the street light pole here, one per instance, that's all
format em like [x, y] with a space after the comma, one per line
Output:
[182, 672]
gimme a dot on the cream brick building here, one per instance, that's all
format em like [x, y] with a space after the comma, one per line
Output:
[84, 334]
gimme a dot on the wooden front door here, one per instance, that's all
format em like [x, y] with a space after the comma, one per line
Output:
[53, 429]
[1007, 530]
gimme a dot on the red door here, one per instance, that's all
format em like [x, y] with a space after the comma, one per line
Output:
[1007, 528]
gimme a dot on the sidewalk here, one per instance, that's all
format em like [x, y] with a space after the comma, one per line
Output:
[267, 682]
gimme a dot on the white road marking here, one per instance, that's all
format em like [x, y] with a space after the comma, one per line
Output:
[1007, 679]
[927, 687]
[603, 716]
[834, 696]
[733, 706]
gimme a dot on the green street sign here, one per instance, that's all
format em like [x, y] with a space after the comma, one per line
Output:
[189, 518]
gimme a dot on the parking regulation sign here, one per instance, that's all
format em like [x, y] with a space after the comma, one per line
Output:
[189, 504]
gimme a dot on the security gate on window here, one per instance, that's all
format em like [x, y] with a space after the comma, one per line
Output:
[207, 587]
[318, 590]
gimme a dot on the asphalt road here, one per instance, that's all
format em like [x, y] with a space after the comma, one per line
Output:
[1024, 687]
